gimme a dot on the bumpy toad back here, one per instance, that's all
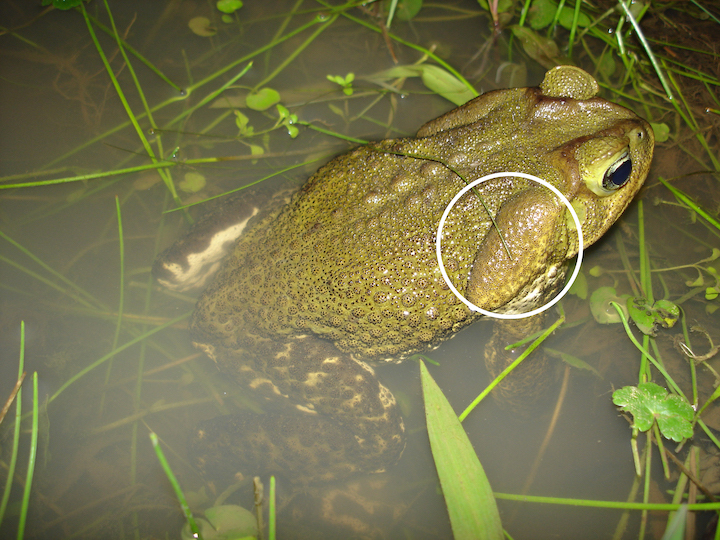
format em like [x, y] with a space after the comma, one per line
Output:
[346, 272]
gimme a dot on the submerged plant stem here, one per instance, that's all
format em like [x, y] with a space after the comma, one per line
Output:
[175, 485]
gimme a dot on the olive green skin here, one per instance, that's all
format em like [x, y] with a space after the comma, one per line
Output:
[351, 259]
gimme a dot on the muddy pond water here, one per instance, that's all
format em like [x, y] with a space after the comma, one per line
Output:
[65, 272]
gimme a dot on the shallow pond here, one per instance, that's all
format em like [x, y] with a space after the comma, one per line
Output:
[63, 272]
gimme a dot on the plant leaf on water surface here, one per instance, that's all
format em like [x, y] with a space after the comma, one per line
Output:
[225, 522]
[580, 287]
[437, 79]
[262, 99]
[201, 27]
[442, 82]
[228, 6]
[192, 182]
[600, 306]
[468, 495]
[649, 402]
[662, 132]
[573, 361]
[545, 51]
[647, 317]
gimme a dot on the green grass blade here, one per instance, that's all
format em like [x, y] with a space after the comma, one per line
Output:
[271, 510]
[684, 199]
[31, 461]
[176, 486]
[470, 502]
[16, 431]
[116, 351]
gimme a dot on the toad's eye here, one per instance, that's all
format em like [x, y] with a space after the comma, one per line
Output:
[617, 174]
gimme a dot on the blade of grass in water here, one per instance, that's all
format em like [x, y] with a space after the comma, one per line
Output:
[165, 175]
[176, 486]
[271, 510]
[116, 351]
[16, 430]
[684, 199]
[134, 52]
[133, 120]
[31, 461]
[512, 366]
[121, 299]
[468, 496]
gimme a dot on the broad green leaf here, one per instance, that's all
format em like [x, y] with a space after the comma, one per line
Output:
[472, 508]
[201, 26]
[650, 403]
[262, 99]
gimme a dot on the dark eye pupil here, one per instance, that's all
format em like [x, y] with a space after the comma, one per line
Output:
[618, 173]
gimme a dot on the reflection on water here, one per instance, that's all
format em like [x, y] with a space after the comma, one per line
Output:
[97, 476]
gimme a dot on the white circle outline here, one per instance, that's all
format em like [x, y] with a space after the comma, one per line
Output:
[545, 306]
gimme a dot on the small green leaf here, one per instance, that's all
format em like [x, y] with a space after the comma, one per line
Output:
[667, 313]
[446, 84]
[229, 6]
[242, 122]
[232, 518]
[571, 360]
[201, 26]
[580, 287]
[227, 19]
[256, 150]
[662, 132]
[642, 315]
[538, 47]
[600, 306]
[407, 9]
[192, 182]
[647, 317]
[711, 293]
[541, 14]
[567, 17]
[607, 65]
[262, 99]
[649, 403]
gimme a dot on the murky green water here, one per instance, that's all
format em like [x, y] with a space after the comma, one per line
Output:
[97, 476]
